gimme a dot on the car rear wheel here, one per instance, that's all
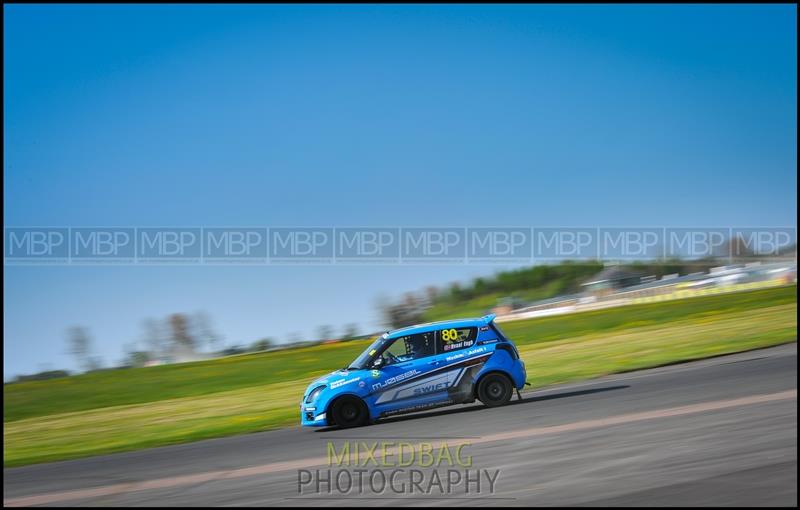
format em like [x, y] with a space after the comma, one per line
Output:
[495, 390]
[349, 412]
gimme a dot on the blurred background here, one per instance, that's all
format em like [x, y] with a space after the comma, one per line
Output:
[402, 116]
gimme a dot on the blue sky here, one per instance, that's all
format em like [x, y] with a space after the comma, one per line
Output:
[377, 116]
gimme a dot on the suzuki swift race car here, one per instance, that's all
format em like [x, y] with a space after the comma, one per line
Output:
[416, 368]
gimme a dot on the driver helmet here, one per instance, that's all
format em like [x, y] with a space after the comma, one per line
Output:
[416, 345]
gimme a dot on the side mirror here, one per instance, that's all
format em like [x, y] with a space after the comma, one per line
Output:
[377, 362]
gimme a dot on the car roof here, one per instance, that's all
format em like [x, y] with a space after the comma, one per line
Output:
[433, 326]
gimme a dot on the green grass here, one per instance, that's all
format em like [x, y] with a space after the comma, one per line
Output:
[597, 354]
[136, 408]
[556, 327]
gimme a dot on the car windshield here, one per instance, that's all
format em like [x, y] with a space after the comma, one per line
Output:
[363, 358]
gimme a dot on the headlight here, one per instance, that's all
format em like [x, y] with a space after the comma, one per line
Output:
[316, 391]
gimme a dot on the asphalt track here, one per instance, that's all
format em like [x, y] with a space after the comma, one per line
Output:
[722, 431]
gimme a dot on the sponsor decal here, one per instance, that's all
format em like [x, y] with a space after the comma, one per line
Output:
[430, 388]
[459, 345]
[376, 373]
[475, 351]
[415, 387]
[465, 354]
[361, 384]
[337, 384]
[395, 379]
[418, 407]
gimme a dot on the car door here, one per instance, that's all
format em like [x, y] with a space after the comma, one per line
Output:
[407, 380]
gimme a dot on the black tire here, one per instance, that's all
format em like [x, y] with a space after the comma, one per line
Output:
[349, 412]
[495, 390]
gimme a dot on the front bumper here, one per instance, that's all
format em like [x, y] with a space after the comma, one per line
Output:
[311, 417]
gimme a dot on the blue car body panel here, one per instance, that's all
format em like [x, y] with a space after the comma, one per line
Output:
[447, 376]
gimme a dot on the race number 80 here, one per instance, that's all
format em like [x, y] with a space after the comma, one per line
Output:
[449, 335]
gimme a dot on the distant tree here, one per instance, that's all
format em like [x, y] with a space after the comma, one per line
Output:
[324, 332]
[548, 280]
[79, 345]
[138, 358]
[234, 349]
[203, 332]
[42, 376]
[154, 337]
[456, 293]
[95, 363]
[350, 331]
[179, 326]
[262, 345]
[404, 313]
[431, 293]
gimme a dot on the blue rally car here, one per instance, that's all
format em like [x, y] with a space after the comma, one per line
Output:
[416, 368]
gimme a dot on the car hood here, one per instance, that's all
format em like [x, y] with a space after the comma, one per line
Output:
[337, 378]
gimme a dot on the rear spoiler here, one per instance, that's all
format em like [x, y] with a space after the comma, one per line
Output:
[488, 318]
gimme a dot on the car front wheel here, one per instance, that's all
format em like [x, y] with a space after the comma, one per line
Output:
[349, 412]
[495, 390]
